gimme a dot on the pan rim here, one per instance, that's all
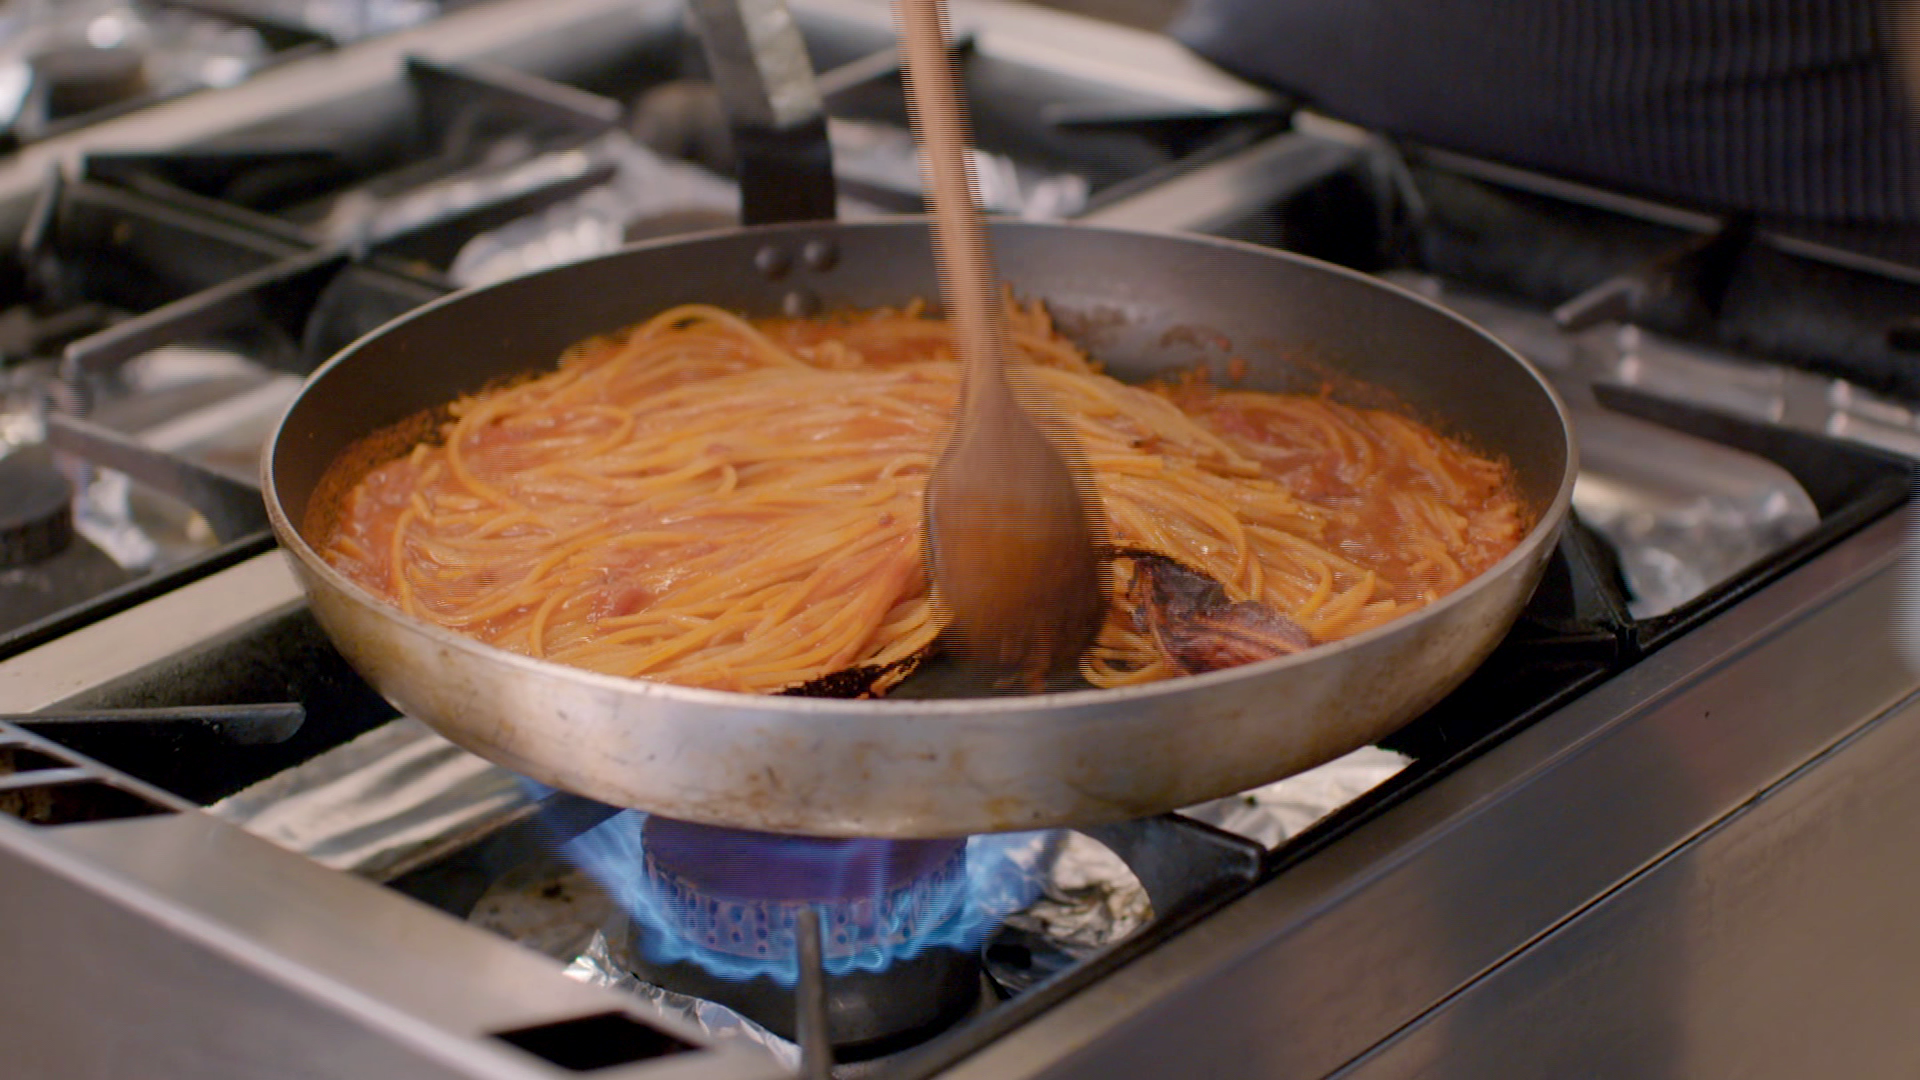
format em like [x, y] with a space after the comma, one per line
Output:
[1012, 708]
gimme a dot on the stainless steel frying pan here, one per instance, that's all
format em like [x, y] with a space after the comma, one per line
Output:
[1142, 304]
[924, 768]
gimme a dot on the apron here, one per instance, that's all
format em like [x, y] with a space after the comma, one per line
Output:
[1789, 108]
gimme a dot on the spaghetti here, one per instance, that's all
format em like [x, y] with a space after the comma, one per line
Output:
[715, 502]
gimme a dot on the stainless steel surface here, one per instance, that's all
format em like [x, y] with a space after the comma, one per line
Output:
[1214, 197]
[1780, 944]
[97, 655]
[293, 970]
[758, 62]
[1313, 969]
[1338, 953]
[943, 767]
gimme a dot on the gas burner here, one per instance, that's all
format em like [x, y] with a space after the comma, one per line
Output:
[36, 521]
[81, 78]
[718, 912]
[44, 566]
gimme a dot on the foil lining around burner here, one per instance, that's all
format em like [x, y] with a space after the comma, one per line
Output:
[597, 966]
[1270, 815]
[386, 802]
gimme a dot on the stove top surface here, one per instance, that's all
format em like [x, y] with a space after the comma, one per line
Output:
[1739, 391]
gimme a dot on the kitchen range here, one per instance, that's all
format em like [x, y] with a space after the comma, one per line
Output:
[1657, 832]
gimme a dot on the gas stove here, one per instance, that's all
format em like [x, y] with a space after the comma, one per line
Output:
[1672, 795]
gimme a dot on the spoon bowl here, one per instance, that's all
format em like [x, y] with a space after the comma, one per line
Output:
[1012, 544]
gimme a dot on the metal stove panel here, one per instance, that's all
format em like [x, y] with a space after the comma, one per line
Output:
[1779, 945]
[242, 960]
[96, 655]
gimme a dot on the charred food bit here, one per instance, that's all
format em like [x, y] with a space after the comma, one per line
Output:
[1196, 626]
[869, 681]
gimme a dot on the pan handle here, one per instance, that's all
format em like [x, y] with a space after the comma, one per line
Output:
[760, 67]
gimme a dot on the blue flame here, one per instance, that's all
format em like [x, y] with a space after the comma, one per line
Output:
[952, 908]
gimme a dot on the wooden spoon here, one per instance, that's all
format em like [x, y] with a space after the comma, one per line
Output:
[1012, 527]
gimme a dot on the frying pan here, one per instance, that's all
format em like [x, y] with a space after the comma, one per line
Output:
[921, 768]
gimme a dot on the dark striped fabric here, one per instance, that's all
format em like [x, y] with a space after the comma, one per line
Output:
[1782, 107]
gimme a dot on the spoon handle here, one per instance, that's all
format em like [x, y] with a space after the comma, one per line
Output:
[959, 236]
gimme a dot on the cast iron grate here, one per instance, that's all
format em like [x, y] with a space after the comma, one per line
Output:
[42, 785]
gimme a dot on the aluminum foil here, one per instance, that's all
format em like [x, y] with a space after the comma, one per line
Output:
[22, 405]
[651, 195]
[1272, 814]
[645, 188]
[886, 157]
[379, 805]
[353, 20]
[1088, 898]
[1683, 514]
[400, 796]
[510, 167]
[596, 966]
[211, 406]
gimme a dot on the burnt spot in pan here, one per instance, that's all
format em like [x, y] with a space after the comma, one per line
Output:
[1196, 625]
[868, 681]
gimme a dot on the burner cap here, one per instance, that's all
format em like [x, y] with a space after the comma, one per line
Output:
[81, 78]
[36, 510]
[736, 864]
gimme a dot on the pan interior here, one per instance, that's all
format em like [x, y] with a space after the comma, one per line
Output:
[1142, 305]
